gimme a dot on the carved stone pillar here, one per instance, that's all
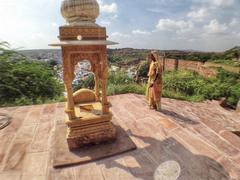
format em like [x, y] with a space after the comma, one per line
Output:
[70, 104]
[105, 74]
[68, 78]
[89, 119]
[96, 88]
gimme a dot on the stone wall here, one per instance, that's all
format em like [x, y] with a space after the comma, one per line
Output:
[171, 65]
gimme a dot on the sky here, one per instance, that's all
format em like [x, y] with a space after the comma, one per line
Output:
[208, 25]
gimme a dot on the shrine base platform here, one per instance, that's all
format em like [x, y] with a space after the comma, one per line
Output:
[62, 156]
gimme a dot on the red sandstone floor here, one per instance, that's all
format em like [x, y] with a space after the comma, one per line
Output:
[195, 135]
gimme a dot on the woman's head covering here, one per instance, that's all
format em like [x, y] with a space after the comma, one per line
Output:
[157, 57]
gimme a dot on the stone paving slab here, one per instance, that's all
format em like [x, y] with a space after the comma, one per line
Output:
[196, 136]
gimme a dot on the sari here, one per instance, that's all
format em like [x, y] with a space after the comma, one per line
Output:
[154, 87]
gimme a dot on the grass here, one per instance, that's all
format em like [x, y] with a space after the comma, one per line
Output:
[190, 86]
[182, 85]
[232, 63]
[24, 101]
[114, 89]
[231, 67]
[120, 83]
[182, 96]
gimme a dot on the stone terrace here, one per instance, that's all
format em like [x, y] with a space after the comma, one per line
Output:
[195, 135]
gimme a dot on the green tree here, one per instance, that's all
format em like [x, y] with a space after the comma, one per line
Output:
[87, 82]
[143, 69]
[52, 63]
[237, 55]
[21, 78]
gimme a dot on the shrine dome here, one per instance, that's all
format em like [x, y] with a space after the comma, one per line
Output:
[80, 12]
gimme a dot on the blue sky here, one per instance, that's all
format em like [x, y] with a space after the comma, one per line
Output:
[210, 25]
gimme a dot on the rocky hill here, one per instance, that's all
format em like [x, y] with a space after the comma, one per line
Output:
[130, 56]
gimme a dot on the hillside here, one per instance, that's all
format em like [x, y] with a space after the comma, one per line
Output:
[43, 54]
[184, 84]
[127, 56]
[233, 53]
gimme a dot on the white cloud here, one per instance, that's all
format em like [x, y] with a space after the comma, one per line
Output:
[108, 13]
[140, 32]
[234, 26]
[198, 15]
[115, 16]
[155, 10]
[172, 25]
[105, 22]
[119, 35]
[223, 3]
[234, 22]
[36, 29]
[54, 24]
[182, 38]
[214, 27]
[38, 36]
[108, 8]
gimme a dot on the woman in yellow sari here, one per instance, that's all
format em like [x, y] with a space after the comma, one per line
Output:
[155, 83]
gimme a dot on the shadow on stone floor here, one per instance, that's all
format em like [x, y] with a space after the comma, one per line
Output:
[179, 117]
[143, 162]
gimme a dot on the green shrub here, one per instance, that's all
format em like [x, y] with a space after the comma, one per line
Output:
[114, 89]
[233, 63]
[234, 95]
[24, 82]
[119, 77]
[186, 82]
[143, 69]
[187, 85]
[115, 59]
[182, 96]
[183, 85]
[120, 83]
[88, 83]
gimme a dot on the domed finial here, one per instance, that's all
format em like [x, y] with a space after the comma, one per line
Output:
[80, 12]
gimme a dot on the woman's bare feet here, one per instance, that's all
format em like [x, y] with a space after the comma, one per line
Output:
[150, 107]
[158, 107]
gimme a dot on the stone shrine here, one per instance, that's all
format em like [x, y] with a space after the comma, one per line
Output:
[88, 117]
